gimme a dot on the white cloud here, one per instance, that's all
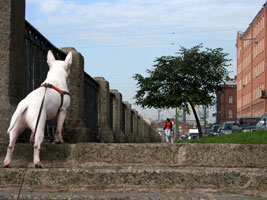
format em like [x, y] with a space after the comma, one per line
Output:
[199, 14]
[146, 22]
[48, 6]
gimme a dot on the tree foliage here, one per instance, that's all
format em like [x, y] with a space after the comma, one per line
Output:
[192, 77]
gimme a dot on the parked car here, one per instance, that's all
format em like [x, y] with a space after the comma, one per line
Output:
[227, 127]
[245, 124]
[262, 125]
[183, 137]
[219, 130]
[214, 130]
[207, 133]
[193, 136]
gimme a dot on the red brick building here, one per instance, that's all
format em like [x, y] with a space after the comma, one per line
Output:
[226, 102]
[251, 66]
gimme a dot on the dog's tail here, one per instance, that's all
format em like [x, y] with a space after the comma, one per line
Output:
[20, 109]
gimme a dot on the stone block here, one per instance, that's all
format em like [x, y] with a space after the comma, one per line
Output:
[105, 131]
[119, 135]
[12, 26]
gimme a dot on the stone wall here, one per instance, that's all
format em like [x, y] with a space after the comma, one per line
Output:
[12, 23]
[116, 133]
[76, 130]
[128, 132]
[105, 131]
[119, 135]
[135, 125]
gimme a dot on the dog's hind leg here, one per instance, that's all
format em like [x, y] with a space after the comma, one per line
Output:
[37, 148]
[32, 138]
[13, 136]
[60, 120]
[38, 139]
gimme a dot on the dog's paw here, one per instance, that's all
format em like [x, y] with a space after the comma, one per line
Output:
[58, 139]
[38, 165]
[6, 165]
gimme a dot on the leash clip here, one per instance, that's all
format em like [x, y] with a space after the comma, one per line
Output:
[47, 85]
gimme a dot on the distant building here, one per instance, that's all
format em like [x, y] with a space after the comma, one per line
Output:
[226, 102]
[147, 120]
[206, 116]
[251, 67]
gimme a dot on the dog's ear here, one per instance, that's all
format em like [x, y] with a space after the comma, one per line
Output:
[50, 58]
[68, 59]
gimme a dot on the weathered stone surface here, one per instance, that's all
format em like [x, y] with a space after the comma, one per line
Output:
[75, 84]
[135, 125]
[128, 130]
[230, 155]
[160, 168]
[125, 154]
[75, 128]
[12, 24]
[139, 179]
[201, 155]
[105, 131]
[12, 195]
[119, 135]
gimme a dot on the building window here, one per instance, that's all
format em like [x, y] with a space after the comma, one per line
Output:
[230, 100]
[230, 114]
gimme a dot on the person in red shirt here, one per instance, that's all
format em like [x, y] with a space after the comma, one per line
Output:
[168, 128]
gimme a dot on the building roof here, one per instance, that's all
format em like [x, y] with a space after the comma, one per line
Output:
[230, 82]
[254, 20]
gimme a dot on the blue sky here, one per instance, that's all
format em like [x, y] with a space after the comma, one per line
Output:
[119, 38]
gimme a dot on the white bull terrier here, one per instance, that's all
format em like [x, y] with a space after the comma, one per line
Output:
[55, 103]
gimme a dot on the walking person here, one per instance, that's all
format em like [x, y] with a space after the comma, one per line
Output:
[168, 128]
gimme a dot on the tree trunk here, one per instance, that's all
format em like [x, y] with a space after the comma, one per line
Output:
[197, 120]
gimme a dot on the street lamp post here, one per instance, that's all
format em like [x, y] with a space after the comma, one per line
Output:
[176, 123]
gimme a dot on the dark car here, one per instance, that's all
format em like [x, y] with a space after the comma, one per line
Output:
[183, 137]
[227, 127]
[193, 136]
[245, 124]
[214, 130]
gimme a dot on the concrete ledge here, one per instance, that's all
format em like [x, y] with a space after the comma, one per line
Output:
[86, 154]
[12, 195]
[156, 168]
[139, 179]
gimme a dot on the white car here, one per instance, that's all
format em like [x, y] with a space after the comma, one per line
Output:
[262, 125]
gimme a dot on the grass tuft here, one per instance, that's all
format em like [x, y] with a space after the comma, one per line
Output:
[255, 137]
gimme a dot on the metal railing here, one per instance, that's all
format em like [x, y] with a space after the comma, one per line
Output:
[91, 104]
[132, 121]
[110, 120]
[123, 117]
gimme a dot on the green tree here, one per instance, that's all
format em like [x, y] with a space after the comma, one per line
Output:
[191, 78]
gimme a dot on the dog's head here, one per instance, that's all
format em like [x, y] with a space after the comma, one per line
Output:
[52, 62]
